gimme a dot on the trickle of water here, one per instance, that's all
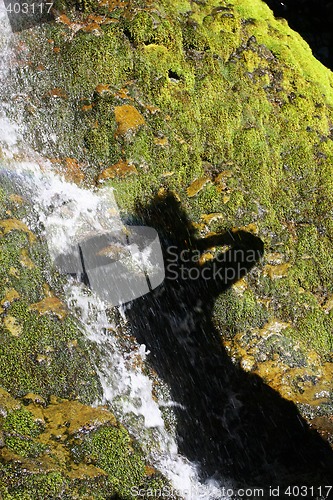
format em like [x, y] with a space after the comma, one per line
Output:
[68, 212]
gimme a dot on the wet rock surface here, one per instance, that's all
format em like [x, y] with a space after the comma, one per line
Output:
[64, 449]
[225, 107]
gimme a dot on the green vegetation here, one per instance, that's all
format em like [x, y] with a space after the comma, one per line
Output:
[219, 87]
[68, 450]
[225, 93]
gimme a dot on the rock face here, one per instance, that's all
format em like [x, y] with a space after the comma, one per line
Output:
[221, 104]
[65, 449]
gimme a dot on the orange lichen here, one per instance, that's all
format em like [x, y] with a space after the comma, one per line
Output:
[73, 170]
[121, 169]
[95, 18]
[152, 109]
[128, 119]
[196, 186]
[208, 218]
[161, 141]
[278, 271]
[70, 168]
[50, 305]
[63, 19]
[123, 94]
[89, 28]
[57, 92]
[86, 107]
[101, 88]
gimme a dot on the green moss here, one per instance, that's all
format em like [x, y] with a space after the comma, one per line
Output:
[238, 314]
[112, 449]
[37, 345]
[21, 422]
[41, 486]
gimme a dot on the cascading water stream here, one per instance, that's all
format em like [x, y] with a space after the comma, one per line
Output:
[64, 210]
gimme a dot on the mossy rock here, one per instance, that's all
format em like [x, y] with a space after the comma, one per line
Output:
[69, 450]
[38, 334]
[232, 113]
[214, 88]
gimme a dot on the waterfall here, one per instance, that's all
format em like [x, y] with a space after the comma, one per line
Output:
[62, 207]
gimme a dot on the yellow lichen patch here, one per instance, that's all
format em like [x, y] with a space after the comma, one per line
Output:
[10, 296]
[57, 92]
[123, 94]
[278, 271]
[63, 19]
[161, 141]
[149, 471]
[328, 306]
[86, 107]
[121, 169]
[16, 198]
[50, 305]
[84, 471]
[25, 259]
[300, 385]
[250, 228]
[198, 226]
[128, 119]
[273, 327]
[70, 417]
[274, 258]
[9, 225]
[102, 88]
[14, 272]
[152, 109]
[168, 174]
[208, 218]
[34, 398]
[196, 186]
[221, 180]
[12, 325]
[7, 402]
[205, 257]
[240, 286]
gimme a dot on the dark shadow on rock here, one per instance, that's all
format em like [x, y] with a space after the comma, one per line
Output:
[229, 422]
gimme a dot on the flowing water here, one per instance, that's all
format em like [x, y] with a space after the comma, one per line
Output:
[127, 390]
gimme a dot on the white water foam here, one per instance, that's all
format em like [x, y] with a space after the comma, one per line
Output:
[67, 211]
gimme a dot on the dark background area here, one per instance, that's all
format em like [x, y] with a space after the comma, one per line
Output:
[313, 20]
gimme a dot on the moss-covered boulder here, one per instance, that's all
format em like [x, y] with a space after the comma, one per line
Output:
[225, 106]
[221, 104]
[65, 449]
